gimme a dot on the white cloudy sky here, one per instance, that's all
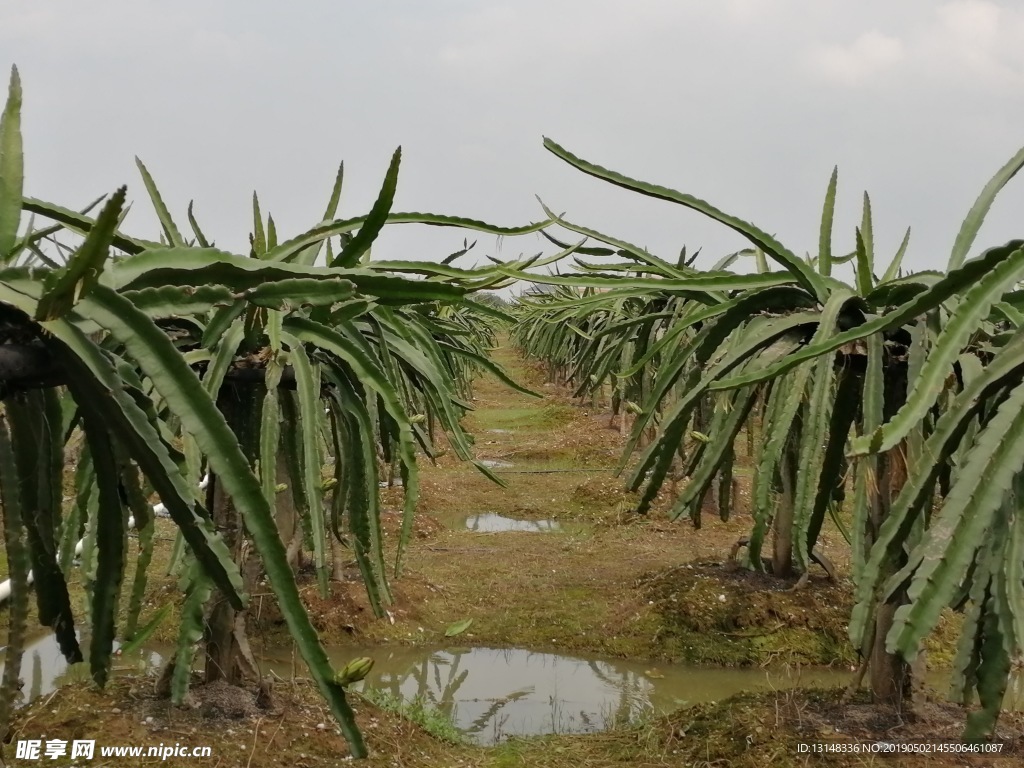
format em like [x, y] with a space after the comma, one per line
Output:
[747, 103]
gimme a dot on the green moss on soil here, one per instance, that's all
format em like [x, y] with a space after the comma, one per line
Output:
[526, 418]
[714, 615]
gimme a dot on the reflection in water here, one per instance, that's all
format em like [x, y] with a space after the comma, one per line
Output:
[35, 689]
[493, 693]
[43, 668]
[489, 522]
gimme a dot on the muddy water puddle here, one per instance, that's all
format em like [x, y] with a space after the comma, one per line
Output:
[44, 669]
[491, 694]
[491, 522]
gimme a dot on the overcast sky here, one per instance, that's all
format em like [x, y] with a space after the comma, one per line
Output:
[746, 103]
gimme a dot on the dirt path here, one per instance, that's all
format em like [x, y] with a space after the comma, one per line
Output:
[606, 581]
[571, 589]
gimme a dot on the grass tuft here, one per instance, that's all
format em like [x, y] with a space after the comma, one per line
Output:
[419, 711]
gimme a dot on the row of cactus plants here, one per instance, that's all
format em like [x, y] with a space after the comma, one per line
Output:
[902, 387]
[172, 359]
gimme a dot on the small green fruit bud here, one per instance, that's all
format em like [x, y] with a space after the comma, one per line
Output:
[354, 671]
